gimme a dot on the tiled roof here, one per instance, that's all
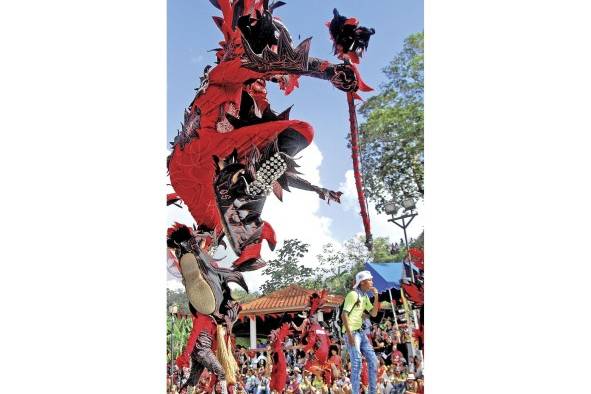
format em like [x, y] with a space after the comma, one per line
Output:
[290, 299]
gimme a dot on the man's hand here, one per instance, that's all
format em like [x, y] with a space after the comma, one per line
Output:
[351, 338]
[344, 78]
[374, 291]
[376, 302]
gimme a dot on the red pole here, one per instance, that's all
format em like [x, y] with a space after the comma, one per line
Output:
[356, 171]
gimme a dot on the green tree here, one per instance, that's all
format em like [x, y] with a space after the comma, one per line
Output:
[180, 329]
[285, 269]
[242, 296]
[381, 251]
[179, 298]
[391, 144]
[419, 242]
[338, 267]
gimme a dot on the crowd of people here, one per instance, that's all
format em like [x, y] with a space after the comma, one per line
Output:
[398, 371]
[347, 355]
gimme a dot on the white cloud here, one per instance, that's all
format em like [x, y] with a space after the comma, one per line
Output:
[174, 284]
[296, 217]
[380, 226]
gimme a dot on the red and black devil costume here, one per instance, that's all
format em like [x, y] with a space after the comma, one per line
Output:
[232, 151]
[315, 338]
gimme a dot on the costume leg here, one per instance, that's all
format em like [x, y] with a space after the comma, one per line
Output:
[206, 356]
[196, 371]
[291, 141]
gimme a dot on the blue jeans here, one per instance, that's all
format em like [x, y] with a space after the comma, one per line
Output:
[362, 346]
[399, 388]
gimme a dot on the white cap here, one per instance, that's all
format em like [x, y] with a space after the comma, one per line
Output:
[361, 276]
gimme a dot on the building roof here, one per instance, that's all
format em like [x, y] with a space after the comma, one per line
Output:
[289, 299]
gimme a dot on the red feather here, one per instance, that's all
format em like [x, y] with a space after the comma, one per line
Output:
[176, 226]
[252, 251]
[268, 234]
[317, 302]
[352, 21]
[417, 257]
[279, 371]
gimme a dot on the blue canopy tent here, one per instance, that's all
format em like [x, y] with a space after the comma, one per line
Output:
[387, 276]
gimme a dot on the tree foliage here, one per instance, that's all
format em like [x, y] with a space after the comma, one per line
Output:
[179, 329]
[242, 296]
[286, 268]
[382, 251]
[338, 267]
[391, 142]
[179, 298]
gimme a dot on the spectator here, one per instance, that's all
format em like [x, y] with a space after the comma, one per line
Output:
[306, 384]
[411, 385]
[252, 382]
[297, 375]
[294, 385]
[318, 385]
[418, 367]
[397, 358]
[253, 360]
[261, 360]
[263, 386]
[399, 381]
[357, 302]
[388, 385]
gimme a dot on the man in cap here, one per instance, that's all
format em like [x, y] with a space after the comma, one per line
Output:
[356, 302]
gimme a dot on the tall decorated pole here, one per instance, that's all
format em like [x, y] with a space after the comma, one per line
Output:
[357, 171]
[349, 42]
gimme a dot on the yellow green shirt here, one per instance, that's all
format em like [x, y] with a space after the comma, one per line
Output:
[319, 384]
[356, 311]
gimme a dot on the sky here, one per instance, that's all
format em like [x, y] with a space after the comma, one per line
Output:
[327, 161]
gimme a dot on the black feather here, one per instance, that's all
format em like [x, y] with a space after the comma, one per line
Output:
[350, 38]
[218, 21]
[285, 114]
[276, 5]
[215, 4]
[238, 11]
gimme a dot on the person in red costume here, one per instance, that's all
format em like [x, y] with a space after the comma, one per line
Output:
[232, 151]
[335, 362]
[230, 116]
[364, 374]
[279, 371]
[315, 339]
[211, 305]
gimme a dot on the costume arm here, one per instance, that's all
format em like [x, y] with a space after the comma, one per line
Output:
[295, 61]
[343, 76]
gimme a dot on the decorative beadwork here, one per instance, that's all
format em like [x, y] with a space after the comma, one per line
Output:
[268, 172]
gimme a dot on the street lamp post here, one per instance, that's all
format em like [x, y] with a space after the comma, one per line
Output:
[401, 221]
[173, 309]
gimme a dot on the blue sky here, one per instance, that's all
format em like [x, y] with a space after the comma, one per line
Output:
[191, 33]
